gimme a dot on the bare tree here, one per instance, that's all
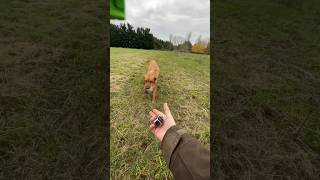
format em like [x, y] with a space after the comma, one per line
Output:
[176, 40]
[189, 36]
[181, 43]
[199, 39]
[170, 38]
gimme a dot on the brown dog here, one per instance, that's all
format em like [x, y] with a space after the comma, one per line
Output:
[150, 79]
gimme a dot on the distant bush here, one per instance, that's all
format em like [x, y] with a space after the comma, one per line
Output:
[199, 47]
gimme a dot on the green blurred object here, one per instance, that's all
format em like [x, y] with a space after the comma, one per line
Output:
[117, 9]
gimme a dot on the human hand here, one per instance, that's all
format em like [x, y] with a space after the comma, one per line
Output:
[168, 122]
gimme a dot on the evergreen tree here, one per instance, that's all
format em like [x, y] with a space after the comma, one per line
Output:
[124, 35]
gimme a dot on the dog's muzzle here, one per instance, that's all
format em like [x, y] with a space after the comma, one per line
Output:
[147, 91]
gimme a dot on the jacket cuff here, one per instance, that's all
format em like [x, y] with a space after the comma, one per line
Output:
[170, 141]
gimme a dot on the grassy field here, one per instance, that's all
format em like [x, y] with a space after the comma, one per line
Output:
[183, 83]
[266, 89]
[52, 89]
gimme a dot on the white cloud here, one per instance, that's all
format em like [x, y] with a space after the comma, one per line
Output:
[165, 17]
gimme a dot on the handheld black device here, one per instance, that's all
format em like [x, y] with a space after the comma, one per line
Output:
[158, 121]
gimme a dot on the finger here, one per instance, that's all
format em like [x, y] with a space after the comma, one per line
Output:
[152, 127]
[166, 109]
[152, 119]
[157, 112]
[152, 116]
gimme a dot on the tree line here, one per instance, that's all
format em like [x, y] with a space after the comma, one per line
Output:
[126, 36]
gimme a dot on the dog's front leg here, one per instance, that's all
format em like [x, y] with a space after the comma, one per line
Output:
[154, 95]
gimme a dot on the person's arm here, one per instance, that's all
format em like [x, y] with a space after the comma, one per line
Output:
[184, 155]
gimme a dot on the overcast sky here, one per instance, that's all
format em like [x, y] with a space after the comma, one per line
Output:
[165, 17]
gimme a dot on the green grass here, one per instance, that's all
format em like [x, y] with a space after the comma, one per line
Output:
[52, 89]
[266, 84]
[183, 83]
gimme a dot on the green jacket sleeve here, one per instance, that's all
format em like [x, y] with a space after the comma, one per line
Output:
[185, 156]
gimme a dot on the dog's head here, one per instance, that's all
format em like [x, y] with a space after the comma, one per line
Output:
[149, 83]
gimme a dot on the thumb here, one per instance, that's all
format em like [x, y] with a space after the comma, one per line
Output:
[166, 109]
